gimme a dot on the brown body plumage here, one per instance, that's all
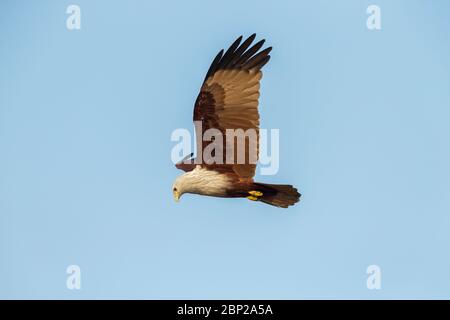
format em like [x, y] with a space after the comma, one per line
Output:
[228, 99]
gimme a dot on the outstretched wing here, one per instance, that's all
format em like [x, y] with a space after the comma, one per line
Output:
[228, 99]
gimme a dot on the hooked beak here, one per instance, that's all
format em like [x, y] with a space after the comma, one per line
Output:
[176, 196]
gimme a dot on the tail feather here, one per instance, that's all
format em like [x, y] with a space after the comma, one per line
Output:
[279, 195]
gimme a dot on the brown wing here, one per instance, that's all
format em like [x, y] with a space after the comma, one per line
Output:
[228, 99]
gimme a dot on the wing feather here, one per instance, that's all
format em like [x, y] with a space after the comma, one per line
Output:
[228, 98]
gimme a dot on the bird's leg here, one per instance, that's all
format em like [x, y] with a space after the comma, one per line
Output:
[254, 195]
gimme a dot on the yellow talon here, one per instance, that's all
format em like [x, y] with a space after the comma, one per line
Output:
[256, 193]
[252, 198]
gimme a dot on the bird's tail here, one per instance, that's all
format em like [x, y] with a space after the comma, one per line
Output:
[279, 195]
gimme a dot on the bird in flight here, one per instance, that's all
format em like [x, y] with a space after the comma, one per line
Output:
[228, 100]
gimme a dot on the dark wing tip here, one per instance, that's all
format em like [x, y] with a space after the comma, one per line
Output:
[241, 56]
[214, 65]
[258, 60]
[229, 54]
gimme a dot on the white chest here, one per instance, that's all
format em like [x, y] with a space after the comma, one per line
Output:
[207, 182]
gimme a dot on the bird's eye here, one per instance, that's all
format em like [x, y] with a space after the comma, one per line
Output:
[175, 189]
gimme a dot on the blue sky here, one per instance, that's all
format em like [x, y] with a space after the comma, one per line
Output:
[85, 170]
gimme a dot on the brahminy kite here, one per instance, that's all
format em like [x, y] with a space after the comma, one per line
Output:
[228, 100]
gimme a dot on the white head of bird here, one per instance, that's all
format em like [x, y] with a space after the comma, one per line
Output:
[201, 181]
[180, 186]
